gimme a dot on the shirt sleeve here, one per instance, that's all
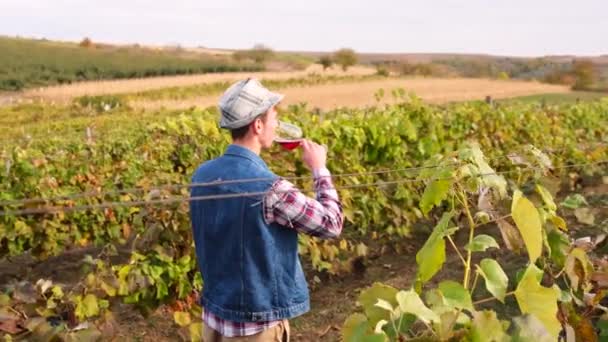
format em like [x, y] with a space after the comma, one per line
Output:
[322, 216]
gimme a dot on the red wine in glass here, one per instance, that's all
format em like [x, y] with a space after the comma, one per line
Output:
[288, 136]
[289, 144]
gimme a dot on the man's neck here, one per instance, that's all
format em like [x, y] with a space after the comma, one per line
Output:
[254, 146]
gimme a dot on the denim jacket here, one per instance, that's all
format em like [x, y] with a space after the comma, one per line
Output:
[251, 270]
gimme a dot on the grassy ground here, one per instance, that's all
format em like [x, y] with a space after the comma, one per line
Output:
[559, 98]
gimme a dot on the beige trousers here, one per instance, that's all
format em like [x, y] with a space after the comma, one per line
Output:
[278, 333]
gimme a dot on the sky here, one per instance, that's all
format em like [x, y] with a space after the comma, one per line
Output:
[513, 28]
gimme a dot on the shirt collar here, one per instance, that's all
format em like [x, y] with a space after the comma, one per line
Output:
[243, 152]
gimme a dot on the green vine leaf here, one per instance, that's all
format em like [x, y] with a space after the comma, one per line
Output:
[482, 242]
[369, 299]
[495, 278]
[434, 194]
[455, 295]
[356, 328]
[410, 302]
[431, 256]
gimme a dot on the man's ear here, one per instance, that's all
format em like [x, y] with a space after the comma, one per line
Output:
[257, 125]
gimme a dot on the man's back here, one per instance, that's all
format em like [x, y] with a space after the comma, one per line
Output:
[250, 268]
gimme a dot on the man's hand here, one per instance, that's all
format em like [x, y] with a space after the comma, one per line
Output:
[315, 155]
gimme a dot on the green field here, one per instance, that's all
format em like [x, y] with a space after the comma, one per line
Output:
[28, 63]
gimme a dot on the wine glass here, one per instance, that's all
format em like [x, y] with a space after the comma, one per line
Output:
[289, 136]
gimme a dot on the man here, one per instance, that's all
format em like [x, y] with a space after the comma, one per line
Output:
[247, 241]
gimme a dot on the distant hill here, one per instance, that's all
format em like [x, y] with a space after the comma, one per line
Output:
[28, 62]
[372, 58]
[552, 69]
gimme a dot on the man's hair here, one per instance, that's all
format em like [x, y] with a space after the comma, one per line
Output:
[241, 132]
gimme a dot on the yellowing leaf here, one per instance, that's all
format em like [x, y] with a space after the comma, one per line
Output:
[83, 335]
[510, 235]
[196, 330]
[343, 245]
[530, 329]
[383, 304]
[487, 328]
[87, 307]
[546, 196]
[182, 318]
[559, 222]
[57, 292]
[349, 214]
[361, 249]
[109, 290]
[354, 326]
[542, 158]
[538, 300]
[528, 222]
[578, 268]
[4, 299]
[584, 216]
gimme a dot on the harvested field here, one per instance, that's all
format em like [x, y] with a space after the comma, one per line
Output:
[68, 92]
[359, 94]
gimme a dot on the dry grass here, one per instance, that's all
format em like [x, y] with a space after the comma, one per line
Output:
[328, 96]
[68, 92]
[361, 94]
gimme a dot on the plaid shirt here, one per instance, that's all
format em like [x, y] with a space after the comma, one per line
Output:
[286, 205]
